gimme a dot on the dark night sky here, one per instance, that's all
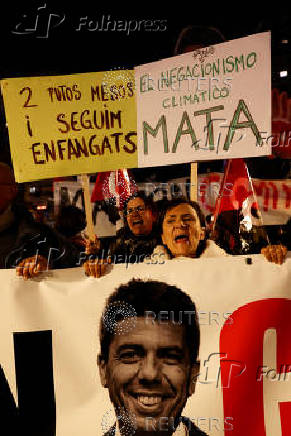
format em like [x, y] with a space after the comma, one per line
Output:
[67, 51]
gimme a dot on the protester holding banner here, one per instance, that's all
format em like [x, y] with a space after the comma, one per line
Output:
[17, 228]
[28, 246]
[182, 227]
[133, 243]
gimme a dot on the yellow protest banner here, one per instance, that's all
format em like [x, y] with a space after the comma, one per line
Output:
[74, 124]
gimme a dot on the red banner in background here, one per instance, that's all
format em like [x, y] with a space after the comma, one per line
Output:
[273, 196]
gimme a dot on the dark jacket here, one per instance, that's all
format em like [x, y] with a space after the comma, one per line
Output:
[25, 238]
[128, 248]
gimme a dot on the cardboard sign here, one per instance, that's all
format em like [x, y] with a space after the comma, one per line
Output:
[67, 125]
[213, 103]
[49, 376]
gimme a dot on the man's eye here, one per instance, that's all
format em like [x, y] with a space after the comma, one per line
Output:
[172, 358]
[129, 356]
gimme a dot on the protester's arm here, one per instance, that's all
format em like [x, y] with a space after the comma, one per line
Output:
[275, 253]
[40, 251]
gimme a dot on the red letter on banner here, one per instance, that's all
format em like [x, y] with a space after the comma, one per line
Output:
[243, 396]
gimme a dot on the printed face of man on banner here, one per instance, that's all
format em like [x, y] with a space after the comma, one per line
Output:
[148, 357]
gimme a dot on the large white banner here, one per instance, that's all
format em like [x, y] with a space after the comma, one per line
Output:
[213, 103]
[50, 341]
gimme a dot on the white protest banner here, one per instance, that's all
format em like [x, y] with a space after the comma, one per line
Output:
[49, 343]
[213, 103]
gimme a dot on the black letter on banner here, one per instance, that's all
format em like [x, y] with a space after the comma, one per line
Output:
[35, 383]
[8, 410]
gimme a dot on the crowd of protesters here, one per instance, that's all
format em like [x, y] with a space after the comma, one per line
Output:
[178, 230]
[163, 230]
[173, 229]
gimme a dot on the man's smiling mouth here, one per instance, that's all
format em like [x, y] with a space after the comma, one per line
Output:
[149, 400]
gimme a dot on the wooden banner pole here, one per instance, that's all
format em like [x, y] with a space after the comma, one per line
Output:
[88, 207]
[193, 181]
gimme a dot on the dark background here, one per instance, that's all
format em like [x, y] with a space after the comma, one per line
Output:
[67, 51]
